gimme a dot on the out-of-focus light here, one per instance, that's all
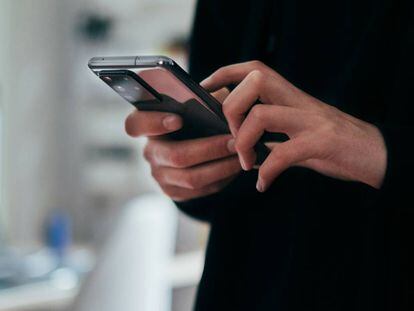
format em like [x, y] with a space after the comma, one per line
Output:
[64, 278]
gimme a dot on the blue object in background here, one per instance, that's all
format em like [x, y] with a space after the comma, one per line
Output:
[58, 233]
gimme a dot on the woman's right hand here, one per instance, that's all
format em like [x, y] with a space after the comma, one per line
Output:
[184, 169]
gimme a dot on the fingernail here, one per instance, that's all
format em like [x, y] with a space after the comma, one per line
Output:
[260, 186]
[243, 164]
[171, 122]
[230, 145]
[205, 82]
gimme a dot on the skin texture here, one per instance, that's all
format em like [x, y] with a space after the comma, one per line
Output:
[322, 137]
[185, 169]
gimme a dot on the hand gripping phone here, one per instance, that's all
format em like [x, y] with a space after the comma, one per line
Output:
[157, 83]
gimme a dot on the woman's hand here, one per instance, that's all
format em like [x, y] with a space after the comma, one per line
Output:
[322, 137]
[185, 169]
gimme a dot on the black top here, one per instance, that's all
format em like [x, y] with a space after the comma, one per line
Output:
[312, 242]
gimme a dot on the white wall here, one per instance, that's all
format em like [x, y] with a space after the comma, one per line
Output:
[4, 54]
[31, 81]
[52, 107]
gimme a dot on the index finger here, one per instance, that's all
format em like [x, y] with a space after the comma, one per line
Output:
[221, 94]
[233, 74]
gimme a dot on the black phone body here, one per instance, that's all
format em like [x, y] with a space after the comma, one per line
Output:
[157, 83]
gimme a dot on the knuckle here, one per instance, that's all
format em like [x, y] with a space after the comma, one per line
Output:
[148, 152]
[331, 127]
[257, 112]
[328, 137]
[228, 110]
[176, 158]
[257, 64]
[256, 77]
[328, 126]
[240, 146]
[190, 180]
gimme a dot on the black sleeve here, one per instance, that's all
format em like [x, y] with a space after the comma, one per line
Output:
[216, 38]
[217, 35]
[398, 129]
[236, 193]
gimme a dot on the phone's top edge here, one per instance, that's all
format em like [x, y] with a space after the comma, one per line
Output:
[123, 61]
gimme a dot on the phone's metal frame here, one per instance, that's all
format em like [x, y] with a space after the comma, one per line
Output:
[97, 64]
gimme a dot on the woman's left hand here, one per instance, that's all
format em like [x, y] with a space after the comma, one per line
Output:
[322, 137]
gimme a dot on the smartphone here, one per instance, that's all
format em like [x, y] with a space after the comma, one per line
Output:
[157, 83]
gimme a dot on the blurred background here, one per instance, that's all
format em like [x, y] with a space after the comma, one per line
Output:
[82, 224]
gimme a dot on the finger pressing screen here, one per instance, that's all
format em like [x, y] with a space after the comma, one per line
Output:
[221, 94]
[232, 74]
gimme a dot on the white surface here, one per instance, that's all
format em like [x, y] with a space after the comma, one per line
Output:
[131, 271]
[36, 295]
[184, 270]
